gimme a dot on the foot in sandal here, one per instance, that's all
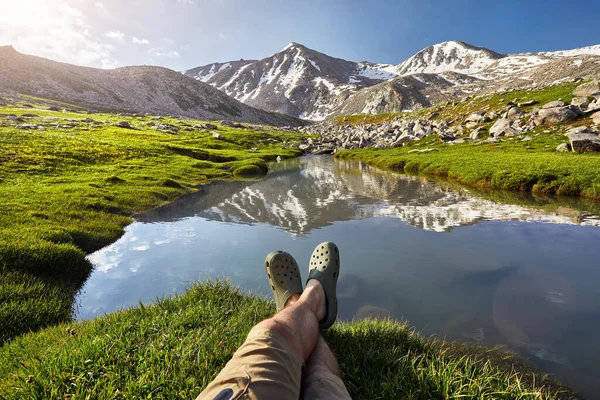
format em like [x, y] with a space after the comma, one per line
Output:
[284, 276]
[324, 266]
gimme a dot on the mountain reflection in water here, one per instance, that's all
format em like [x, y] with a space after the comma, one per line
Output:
[311, 192]
[480, 267]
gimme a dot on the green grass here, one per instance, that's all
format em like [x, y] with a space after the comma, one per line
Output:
[174, 348]
[69, 191]
[525, 166]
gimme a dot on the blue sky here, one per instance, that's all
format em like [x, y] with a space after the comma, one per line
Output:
[182, 34]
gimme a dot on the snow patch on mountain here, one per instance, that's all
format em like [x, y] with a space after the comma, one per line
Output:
[448, 56]
[589, 50]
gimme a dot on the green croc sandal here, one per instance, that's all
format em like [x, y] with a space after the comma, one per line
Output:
[325, 267]
[284, 276]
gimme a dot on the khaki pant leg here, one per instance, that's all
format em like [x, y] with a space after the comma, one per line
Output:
[324, 386]
[264, 367]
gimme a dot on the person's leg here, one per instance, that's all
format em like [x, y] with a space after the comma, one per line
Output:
[321, 378]
[269, 363]
[298, 322]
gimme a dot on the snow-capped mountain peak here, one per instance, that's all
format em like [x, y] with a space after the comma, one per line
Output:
[451, 56]
[296, 80]
[308, 84]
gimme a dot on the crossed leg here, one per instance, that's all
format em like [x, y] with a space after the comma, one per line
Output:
[269, 364]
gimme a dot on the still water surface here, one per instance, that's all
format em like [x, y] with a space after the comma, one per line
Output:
[458, 264]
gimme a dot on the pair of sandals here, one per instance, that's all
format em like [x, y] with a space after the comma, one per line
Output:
[284, 277]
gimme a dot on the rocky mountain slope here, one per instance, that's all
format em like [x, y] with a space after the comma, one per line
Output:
[143, 89]
[308, 84]
[297, 81]
[482, 119]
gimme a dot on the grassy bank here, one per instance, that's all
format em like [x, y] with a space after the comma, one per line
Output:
[70, 188]
[531, 165]
[174, 348]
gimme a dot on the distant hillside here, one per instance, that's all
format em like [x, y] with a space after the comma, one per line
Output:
[143, 89]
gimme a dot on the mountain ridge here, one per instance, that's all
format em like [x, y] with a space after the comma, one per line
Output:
[140, 89]
[325, 86]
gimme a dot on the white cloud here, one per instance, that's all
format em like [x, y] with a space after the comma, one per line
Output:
[52, 29]
[161, 52]
[136, 40]
[186, 1]
[115, 35]
[100, 5]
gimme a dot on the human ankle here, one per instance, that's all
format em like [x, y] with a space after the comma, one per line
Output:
[315, 295]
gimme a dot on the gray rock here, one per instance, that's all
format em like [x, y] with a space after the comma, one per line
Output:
[581, 102]
[124, 124]
[477, 134]
[579, 129]
[500, 126]
[514, 112]
[527, 103]
[553, 115]
[588, 89]
[27, 126]
[210, 126]
[26, 115]
[491, 115]
[584, 142]
[476, 118]
[563, 148]
[554, 104]
[218, 136]
[231, 124]
[53, 108]
[423, 151]
[404, 139]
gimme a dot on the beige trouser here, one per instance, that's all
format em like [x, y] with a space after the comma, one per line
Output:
[267, 367]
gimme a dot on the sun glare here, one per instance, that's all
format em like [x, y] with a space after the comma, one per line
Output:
[31, 14]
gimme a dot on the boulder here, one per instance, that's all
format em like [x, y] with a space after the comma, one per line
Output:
[554, 104]
[581, 102]
[500, 126]
[124, 124]
[27, 126]
[53, 108]
[491, 115]
[210, 126]
[477, 118]
[553, 115]
[588, 89]
[514, 112]
[218, 136]
[477, 134]
[231, 124]
[404, 139]
[563, 148]
[579, 129]
[584, 142]
[527, 103]
[596, 118]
